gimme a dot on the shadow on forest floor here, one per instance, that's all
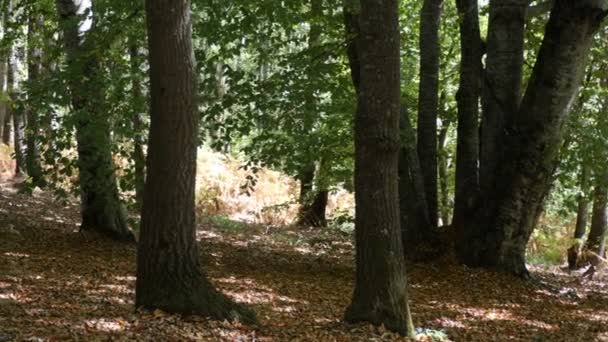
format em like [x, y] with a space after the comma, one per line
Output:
[57, 284]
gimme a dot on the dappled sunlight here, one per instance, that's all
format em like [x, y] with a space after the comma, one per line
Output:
[106, 325]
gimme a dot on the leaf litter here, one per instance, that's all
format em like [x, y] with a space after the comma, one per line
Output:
[57, 284]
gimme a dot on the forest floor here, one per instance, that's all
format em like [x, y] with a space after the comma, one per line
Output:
[58, 284]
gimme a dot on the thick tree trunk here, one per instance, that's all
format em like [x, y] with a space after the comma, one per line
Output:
[599, 219]
[420, 237]
[17, 114]
[502, 83]
[428, 100]
[34, 64]
[100, 204]
[169, 276]
[467, 150]
[380, 295]
[582, 214]
[499, 234]
[139, 158]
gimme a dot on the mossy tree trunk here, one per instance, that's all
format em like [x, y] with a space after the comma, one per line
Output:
[101, 208]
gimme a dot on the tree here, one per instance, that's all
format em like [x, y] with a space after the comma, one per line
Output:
[101, 208]
[34, 66]
[599, 218]
[168, 270]
[428, 97]
[498, 233]
[380, 295]
[467, 151]
[582, 214]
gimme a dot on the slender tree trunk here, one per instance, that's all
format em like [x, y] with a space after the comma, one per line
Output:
[599, 219]
[581, 220]
[4, 91]
[532, 138]
[380, 295]
[169, 275]
[34, 64]
[467, 150]
[100, 204]
[502, 83]
[420, 237]
[428, 100]
[139, 158]
[442, 167]
[7, 126]
[17, 114]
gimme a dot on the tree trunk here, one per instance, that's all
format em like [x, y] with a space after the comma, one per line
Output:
[599, 219]
[380, 295]
[467, 150]
[503, 81]
[4, 91]
[169, 276]
[442, 168]
[139, 158]
[7, 126]
[532, 139]
[16, 113]
[428, 100]
[34, 63]
[100, 204]
[581, 221]
[420, 237]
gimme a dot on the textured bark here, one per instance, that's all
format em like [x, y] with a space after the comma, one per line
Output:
[34, 65]
[532, 138]
[139, 158]
[582, 214]
[380, 295]
[100, 204]
[428, 100]
[420, 237]
[502, 82]
[467, 150]
[169, 275]
[599, 218]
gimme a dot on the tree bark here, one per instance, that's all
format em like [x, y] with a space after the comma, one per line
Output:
[139, 158]
[380, 295]
[467, 150]
[599, 219]
[428, 100]
[507, 216]
[420, 237]
[100, 204]
[502, 83]
[34, 64]
[582, 214]
[169, 275]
